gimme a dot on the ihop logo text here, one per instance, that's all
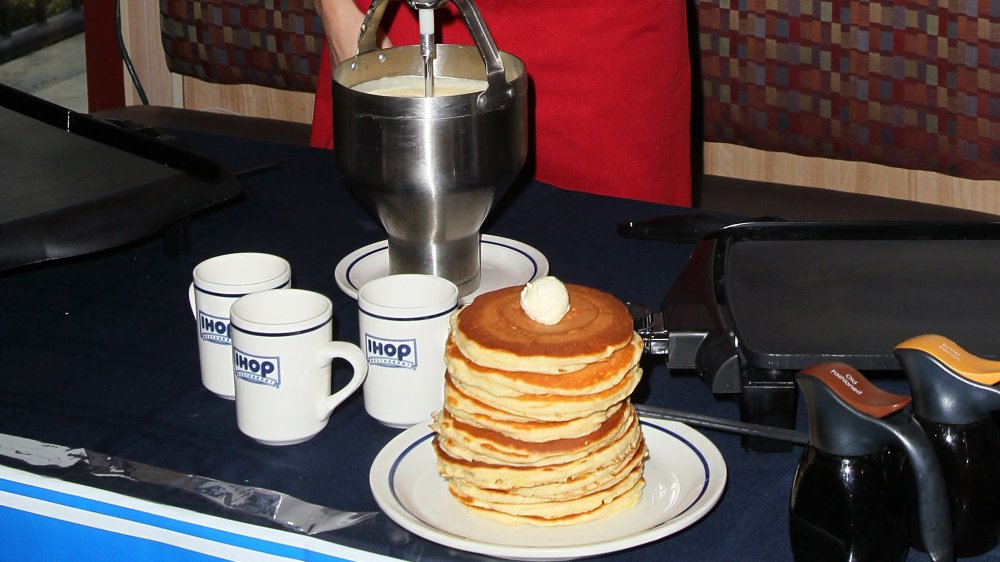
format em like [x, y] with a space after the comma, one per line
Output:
[401, 354]
[213, 328]
[255, 369]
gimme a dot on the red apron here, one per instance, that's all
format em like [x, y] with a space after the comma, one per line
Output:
[610, 90]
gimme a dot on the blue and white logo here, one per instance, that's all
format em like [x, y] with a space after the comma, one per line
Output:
[398, 354]
[214, 329]
[255, 369]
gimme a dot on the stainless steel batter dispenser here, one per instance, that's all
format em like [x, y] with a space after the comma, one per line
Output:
[431, 168]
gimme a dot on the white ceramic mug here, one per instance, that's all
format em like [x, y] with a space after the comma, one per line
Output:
[282, 355]
[403, 323]
[218, 282]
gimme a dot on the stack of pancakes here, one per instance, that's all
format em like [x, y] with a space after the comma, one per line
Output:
[537, 426]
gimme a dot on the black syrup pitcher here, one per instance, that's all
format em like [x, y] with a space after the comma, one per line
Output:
[954, 396]
[849, 500]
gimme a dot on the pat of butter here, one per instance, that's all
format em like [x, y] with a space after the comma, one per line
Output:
[545, 300]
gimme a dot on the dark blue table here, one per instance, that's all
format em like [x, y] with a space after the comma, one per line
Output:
[100, 352]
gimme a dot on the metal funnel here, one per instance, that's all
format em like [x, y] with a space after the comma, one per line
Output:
[431, 168]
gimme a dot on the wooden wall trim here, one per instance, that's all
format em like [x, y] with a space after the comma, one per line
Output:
[141, 32]
[255, 101]
[855, 177]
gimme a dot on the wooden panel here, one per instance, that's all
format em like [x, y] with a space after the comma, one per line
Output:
[255, 101]
[857, 177]
[141, 31]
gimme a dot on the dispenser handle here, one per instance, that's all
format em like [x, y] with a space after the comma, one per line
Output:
[368, 36]
[498, 91]
[932, 493]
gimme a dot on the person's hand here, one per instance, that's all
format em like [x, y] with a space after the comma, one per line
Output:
[342, 25]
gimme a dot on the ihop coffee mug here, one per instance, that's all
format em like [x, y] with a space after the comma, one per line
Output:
[404, 325]
[282, 355]
[218, 282]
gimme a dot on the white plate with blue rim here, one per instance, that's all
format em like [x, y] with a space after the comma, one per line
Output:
[685, 477]
[503, 262]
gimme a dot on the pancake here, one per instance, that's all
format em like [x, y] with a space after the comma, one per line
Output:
[562, 507]
[552, 407]
[589, 483]
[508, 477]
[493, 331]
[608, 506]
[462, 440]
[537, 426]
[473, 412]
[591, 379]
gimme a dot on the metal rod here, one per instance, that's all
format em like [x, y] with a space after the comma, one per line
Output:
[427, 48]
[720, 424]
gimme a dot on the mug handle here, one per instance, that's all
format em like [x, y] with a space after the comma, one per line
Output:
[194, 309]
[359, 363]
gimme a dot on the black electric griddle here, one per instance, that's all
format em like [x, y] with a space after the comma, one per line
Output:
[759, 301]
[72, 184]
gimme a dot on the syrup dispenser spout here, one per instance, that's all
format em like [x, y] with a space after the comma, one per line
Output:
[853, 421]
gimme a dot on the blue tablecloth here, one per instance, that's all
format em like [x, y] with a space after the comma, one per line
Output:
[100, 352]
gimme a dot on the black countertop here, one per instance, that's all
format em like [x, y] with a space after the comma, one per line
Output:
[100, 351]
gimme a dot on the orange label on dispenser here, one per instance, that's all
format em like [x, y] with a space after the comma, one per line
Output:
[855, 389]
[972, 367]
[849, 380]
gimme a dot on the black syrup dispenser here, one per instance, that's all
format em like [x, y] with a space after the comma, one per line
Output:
[954, 396]
[849, 500]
